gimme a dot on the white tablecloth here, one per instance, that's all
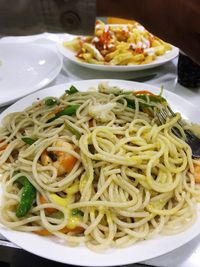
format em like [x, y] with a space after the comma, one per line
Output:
[189, 254]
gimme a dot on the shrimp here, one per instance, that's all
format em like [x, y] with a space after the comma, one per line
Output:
[62, 161]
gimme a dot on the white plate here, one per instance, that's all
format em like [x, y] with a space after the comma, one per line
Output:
[52, 249]
[66, 52]
[25, 68]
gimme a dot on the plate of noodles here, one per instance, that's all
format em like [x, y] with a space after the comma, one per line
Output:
[89, 174]
[117, 47]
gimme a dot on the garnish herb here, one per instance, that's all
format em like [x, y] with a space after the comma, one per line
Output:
[72, 90]
[28, 140]
[51, 101]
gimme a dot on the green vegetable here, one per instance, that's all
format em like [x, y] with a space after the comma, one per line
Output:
[149, 100]
[161, 90]
[27, 197]
[130, 103]
[77, 212]
[28, 140]
[126, 93]
[152, 98]
[51, 101]
[72, 90]
[67, 111]
[72, 130]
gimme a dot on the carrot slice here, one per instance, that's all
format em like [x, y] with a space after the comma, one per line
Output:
[43, 232]
[3, 147]
[65, 230]
[53, 113]
[76, 230]
[143, 92]
[197, 173]
[43, 201]
[139, 50]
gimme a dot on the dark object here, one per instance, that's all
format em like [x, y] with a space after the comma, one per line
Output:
[52, 156]
[27, 198]
[191, 139]
[72, 90]
[70, 20]
[188, 72]
[28, 140]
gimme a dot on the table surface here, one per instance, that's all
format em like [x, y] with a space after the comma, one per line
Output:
[189, 254]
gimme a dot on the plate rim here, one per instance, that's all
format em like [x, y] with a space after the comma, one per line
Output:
[43, 82]
[108, 257]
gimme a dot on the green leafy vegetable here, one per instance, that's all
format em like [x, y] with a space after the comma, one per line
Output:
[27, 197]
[28, 140]
[72, 130]
[152, 98]
[67, 111]
[51, 101]
[72, 90]
[161, 90]
[147, 101]
[77, 212]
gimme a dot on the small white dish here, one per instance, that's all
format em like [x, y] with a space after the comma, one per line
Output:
[25, 68]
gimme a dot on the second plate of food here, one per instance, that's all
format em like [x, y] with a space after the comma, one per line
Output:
[117, 48]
